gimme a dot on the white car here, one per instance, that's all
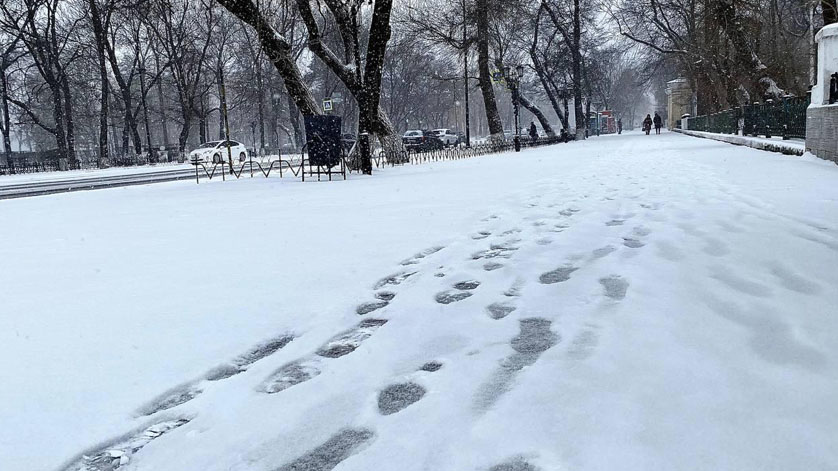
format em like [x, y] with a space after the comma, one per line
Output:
[447, 136]
[216, 152]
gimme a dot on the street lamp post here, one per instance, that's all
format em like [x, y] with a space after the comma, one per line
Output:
[513, 82]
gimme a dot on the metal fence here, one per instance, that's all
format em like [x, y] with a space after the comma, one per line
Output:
[785, 117]
[297, 165]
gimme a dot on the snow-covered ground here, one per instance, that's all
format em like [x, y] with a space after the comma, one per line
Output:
[629, 302]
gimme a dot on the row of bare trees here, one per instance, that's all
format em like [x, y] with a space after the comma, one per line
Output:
[732, 51]
[115, 78]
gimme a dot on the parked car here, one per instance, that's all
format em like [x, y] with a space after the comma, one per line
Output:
[421, 141]
[216, 152]
[447, 136]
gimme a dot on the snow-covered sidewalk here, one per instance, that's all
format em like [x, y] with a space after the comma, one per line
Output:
[774, 144]
[633, 303]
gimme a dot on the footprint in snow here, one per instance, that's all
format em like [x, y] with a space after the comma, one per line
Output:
[602, 251]
[397, 397]
[240, 363]
[467, 285]
[491, 266]
[583, 345]
[534, 339]
[481, 235]
[118, 453]
[495, 251]
[395, 279]
[499, 310]
[367, 308]
[515, 464]
[419, 256]
[632, 243]
[790, 280]
[615, 287]
[431, 366]
[615, 222]
[327, 456]
[557, 276]
[448, 297]
[385, 295]
[304, 369]
[348, 341]
[171, 398]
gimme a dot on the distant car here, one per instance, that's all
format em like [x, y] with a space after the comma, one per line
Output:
[421, 141]
[447, 136]
[216, 152]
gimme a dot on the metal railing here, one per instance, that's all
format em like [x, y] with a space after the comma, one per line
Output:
[785, 117]
[297, 167]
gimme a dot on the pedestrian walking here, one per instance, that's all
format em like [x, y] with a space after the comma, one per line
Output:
[619, 125]
[647, 124]
[533, 131]
[658, 123]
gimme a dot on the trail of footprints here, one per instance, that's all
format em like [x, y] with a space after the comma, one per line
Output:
[534, 338]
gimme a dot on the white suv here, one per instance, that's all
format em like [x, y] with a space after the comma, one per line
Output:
[216, 152]
[447, 136]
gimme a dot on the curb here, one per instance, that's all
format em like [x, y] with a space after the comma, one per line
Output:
[744, 141]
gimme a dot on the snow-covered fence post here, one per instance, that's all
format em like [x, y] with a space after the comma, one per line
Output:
[821, 116]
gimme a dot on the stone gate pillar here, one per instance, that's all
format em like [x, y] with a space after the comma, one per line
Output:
[679, 98]
[821, 117]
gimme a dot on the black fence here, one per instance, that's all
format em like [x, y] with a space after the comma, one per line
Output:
[49, 161]
[297, 165]
[785, 117]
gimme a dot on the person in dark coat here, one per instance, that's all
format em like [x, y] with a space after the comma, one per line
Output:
[658, 123]
[533, 131]
[647, 124]
[619, 125]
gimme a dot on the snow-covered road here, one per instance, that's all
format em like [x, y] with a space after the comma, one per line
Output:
[626, 303]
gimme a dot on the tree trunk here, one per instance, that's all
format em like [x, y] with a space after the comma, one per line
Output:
[278, 51]
[68, 115]
[576, 53]
[99, 35]
[545, 123]
[296, 125]
[6, 127]
[260, 86]
[164, 123]
[58, 117]
[484, 74]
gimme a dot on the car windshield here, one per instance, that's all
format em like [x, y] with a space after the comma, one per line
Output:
[439, 131]
[413, 133]
[208, 145]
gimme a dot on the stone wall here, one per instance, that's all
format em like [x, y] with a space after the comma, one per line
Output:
[822, 131]
[821, 117]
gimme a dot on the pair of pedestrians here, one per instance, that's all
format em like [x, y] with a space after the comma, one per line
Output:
[647, 124]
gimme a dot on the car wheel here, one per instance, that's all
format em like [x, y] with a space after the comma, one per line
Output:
[216, 158]
[242, 157]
